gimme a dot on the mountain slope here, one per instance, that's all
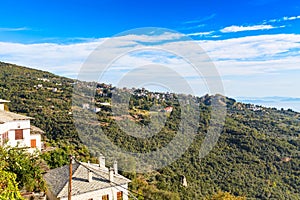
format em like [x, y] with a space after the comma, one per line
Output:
[257, 154]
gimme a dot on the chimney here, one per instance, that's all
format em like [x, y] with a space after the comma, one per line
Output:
[111, 174]
[116, 167]
[2, 102]
[90, 176]
[101, 161]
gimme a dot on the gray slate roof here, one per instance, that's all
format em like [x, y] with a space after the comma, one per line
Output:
[6, 116]
[57, 179]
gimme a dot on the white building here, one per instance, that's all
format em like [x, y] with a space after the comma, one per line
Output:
[89, 181]
[16, 131]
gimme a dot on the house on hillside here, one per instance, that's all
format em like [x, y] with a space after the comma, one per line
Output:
[89, 181]
[105, 104]
[168, 109]
[16, 130]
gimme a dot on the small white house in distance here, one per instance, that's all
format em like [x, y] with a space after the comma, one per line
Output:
[96, 109]
[89, 181]
[16, 131]
[105, 104]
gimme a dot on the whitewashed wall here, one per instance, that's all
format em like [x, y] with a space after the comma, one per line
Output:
[10, 127]
[19, 124]
[97, 195]
[37, 137]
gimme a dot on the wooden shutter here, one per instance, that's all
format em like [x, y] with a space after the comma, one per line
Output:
[19, 134]
[105, 197]
[120, 195]
[4, 138]
[33, 143]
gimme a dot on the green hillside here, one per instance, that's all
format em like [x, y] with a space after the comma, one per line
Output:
[257, 155]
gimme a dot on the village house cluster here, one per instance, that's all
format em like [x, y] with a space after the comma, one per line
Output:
[89, 181]
[17, 132]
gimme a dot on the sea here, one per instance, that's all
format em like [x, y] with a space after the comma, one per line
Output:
[273, 102]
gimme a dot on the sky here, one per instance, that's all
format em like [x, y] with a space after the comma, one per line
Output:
[254, 44]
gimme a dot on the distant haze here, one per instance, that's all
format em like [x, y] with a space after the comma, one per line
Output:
[276, 102]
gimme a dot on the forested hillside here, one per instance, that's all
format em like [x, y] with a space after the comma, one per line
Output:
[257, 155]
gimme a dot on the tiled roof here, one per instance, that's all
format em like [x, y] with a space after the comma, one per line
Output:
[57, 179]
[6, 116]
[35, 130]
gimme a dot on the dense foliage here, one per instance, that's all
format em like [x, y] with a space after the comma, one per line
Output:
[9, 186]
[20, 171]
[257, 155]
[58, 154]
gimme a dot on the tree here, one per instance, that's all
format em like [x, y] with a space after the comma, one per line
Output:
[9, 186]
[225, 196]
[25, 167]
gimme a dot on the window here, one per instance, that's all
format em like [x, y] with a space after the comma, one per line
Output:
[33, 143]
[4, 137]
[105, 197]
[19, 134]
[120, 195]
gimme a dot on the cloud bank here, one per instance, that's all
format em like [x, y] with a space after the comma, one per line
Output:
[251, 65]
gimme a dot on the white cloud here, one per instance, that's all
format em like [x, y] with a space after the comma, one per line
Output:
[265, 65]
[252, 47]
[7, 29]
[200, 20]
[200, 33]
[233, 28]
[56, 58]
[216, 36]
[191, 27]
[291, 18]
[236, 59]
[66, 59]
[286, 18]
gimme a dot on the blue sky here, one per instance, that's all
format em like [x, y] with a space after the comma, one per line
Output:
[66, 21]
[254, 44]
